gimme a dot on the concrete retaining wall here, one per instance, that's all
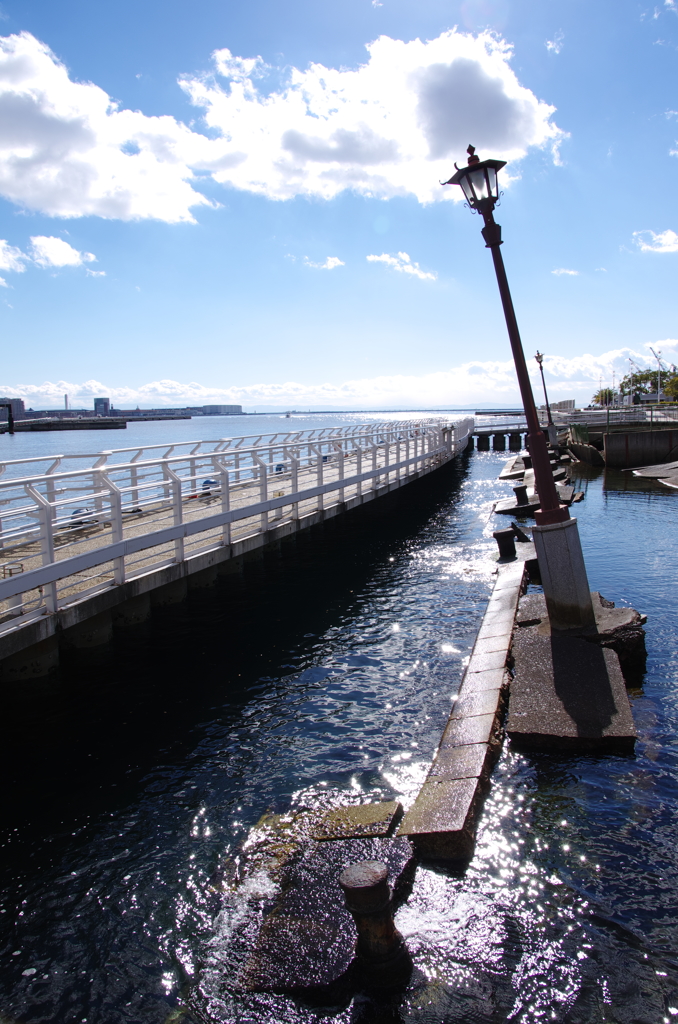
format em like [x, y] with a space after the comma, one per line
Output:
[641, 448]
[31, 650]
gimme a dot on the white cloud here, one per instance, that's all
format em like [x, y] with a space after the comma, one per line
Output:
[648, 241]
[404, 264]
[48, 251]
[392, 126]
[466, 384]
[95, 273]
[568, 273]
[67, 150]
[11, 258]
[555, 45]
[330, 263]
[660, 346]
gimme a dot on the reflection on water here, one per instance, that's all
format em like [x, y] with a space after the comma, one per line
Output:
[329, 677]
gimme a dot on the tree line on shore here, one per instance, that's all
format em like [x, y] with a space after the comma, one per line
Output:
[641, 382]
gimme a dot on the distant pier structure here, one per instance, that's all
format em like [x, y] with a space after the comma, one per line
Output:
[91, 541]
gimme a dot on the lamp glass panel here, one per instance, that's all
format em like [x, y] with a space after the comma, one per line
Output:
[468, 191]
[492, 181]
[479, 183]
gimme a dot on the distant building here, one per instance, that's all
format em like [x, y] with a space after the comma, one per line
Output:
[187, 410]
[222, 410]
[567, 405]
[18, 410]
[102, 406]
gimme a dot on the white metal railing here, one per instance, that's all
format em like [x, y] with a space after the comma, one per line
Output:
[68, 533]
[657, 415]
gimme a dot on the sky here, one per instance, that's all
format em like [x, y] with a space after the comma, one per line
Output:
[240, 202]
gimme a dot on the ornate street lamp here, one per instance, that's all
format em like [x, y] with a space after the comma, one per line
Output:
[556, 536]
[552, 427]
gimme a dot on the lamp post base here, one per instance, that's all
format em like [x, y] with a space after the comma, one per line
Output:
[563, 575]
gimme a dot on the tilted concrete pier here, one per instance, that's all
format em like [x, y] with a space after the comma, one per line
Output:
[442, 820]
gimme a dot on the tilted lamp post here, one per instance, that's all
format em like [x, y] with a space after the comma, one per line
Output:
[552, 427]
[556, 537]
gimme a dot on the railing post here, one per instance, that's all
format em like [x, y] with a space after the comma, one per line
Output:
[225, 502]
[294, 483]
[319, 476]
[177, 510]
[359, 469]
[263, 489]
[340, 456]
[116, 525]
[46, 542]
[134, 478]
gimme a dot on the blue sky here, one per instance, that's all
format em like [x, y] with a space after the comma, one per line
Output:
[240, 201]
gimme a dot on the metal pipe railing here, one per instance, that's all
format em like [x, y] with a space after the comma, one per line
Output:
[78, 531]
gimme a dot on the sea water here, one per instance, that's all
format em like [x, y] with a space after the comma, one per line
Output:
[129, 781]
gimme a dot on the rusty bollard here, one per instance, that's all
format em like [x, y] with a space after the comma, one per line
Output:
[520, 492]
[506, 540]
[381, 953]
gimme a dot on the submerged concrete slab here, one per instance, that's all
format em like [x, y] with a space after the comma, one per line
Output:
[307, 940]
[357, 821]
[568, 695]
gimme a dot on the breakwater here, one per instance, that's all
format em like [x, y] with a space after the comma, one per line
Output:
[136, 775]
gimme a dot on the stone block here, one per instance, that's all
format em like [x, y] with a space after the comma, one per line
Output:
[503, 602]
[467, 762]
[441, 820]
[494, 679]
[485, 662]
[491, 644]
[475, 729]
[357, 821]
[496, 626]
[479, 702]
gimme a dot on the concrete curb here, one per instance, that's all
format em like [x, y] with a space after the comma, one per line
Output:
[441, 822]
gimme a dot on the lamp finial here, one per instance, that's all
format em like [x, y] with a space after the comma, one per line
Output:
[472, 158]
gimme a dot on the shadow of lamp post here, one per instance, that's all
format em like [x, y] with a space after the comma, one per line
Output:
[556, 536]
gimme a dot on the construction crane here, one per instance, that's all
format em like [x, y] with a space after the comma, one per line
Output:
[638, 369]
